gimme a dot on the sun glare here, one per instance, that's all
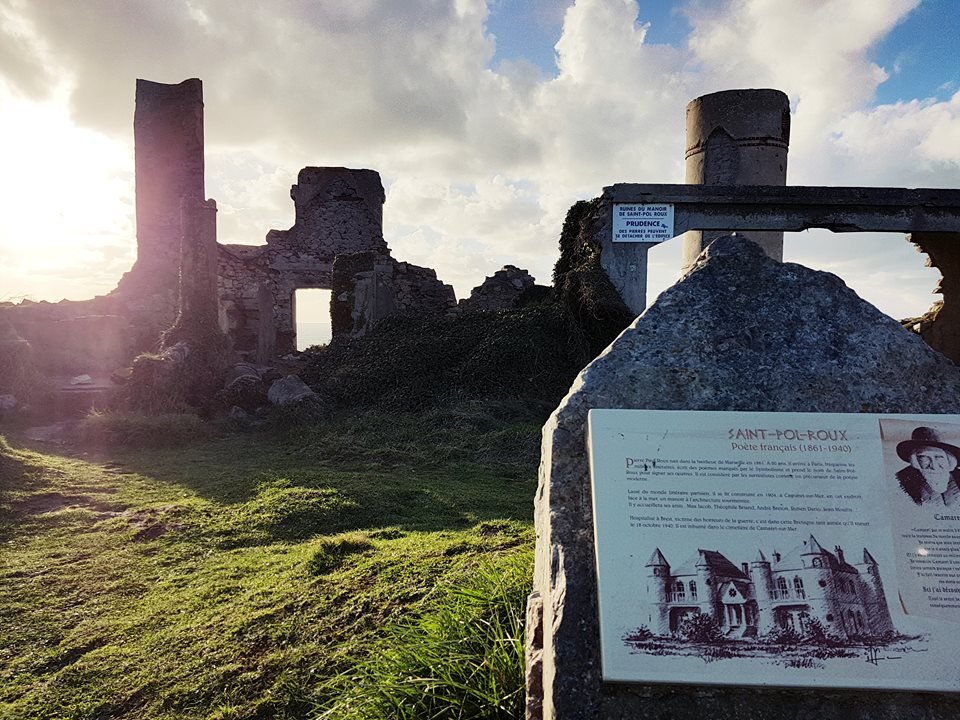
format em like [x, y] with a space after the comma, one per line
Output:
[68, 197]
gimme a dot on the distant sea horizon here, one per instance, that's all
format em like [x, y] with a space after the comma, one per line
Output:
[313, 333]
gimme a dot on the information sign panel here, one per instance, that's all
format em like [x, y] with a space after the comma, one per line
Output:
[648, 222]
[789, 549]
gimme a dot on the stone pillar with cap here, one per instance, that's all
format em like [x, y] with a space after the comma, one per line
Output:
[737, 137]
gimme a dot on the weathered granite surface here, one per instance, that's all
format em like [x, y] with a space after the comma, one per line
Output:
[738, 332]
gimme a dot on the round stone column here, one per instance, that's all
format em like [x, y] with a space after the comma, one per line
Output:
[737, 137]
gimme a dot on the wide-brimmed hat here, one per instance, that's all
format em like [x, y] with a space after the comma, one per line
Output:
[925, 437]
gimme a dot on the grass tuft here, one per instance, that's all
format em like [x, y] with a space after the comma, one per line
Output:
[332, 552]
[463, 658]
[290, 512]
[389, 533]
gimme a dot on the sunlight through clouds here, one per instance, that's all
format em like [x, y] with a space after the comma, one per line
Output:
[481, 155]
[68, 218]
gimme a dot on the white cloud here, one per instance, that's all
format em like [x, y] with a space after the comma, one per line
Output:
[818, 53]
[875, 140]
[481, 162]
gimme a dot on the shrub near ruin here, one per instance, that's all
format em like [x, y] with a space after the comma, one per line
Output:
[18, 374]
[522, 360]
[413, 362]
[135, 430]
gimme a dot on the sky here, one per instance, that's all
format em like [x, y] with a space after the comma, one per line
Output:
[485, 119]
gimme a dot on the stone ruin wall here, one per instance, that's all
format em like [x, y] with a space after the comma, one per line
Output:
[169, 169]
[338, 215]
[501, 290]
[337, 211]
[416, 288]
[73, 337]
[103, 333]
[367, 287]
[336, 242]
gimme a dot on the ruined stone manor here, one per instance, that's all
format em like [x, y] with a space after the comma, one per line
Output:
[336, 242]
[785, 591]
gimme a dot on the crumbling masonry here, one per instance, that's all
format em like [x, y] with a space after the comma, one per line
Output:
[338, 221]
[338, 215]
[336, 243]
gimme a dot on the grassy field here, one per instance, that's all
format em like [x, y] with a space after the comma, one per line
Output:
[370, 567]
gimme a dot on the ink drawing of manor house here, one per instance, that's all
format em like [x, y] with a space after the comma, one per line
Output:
[806, 583]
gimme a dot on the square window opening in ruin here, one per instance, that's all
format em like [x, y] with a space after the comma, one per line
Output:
[312, 317]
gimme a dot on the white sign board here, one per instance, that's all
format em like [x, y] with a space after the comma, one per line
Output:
[786, 549]
[650, 222]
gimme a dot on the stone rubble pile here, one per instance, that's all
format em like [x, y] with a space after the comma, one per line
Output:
[499, 291]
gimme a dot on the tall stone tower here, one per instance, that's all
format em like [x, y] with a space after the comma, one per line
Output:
[168, 142]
